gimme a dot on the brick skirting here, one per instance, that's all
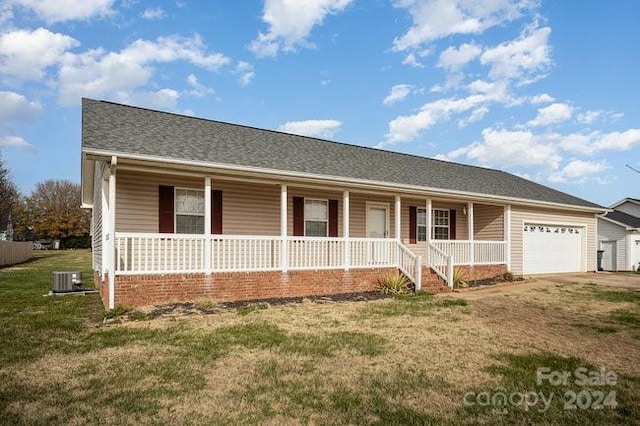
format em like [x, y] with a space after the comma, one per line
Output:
[140, 290]
[482, 272]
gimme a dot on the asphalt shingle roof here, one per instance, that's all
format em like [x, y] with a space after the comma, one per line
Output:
[624, 218]
[125, 129]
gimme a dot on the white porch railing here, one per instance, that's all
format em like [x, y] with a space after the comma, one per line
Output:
[477, 252]
[138, 253]
[441, 263]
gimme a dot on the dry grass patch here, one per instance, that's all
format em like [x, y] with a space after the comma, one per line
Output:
[408, 360]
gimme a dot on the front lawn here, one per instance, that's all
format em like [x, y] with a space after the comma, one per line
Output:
[557, 354]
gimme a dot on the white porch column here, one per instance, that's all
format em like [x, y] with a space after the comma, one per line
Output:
[111, 243]
[470, 231]
[397, 217]
[207, 225]
[345, 231]
[428, 219]
[507, 235]
[284, 249]
[106, 232]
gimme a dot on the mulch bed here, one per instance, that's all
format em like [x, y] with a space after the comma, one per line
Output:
[199, 308]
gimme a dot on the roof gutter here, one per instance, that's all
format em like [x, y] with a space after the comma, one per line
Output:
[387, 186]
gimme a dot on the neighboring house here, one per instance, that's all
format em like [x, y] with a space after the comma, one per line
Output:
[619, 236]
[187, 208]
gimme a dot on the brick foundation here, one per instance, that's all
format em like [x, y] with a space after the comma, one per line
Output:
[482, 272]
[102, 284]
[140, 290]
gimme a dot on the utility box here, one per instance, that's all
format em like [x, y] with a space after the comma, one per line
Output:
[66, 281]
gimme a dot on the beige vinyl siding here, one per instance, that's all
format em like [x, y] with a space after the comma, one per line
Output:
[488, 222]
[248, 209]
[608, 231]
[96, 217]
[522, 214]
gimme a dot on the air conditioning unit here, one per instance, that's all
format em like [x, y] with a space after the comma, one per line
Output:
[66, 281]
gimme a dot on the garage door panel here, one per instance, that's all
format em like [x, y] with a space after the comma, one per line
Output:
[552, 248]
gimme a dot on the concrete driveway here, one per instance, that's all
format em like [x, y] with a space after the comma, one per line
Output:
[622, 280]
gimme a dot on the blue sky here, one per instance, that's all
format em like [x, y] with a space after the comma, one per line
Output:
[544, 89]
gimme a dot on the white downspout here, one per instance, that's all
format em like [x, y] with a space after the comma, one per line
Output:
[111, 249]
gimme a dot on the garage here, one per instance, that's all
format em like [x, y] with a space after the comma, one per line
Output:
[552, 248]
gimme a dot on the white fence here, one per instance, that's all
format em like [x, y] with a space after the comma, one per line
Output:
[475, 252]
[12, 252]
[138, 253]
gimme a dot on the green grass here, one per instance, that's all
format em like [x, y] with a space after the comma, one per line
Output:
[518, 376]
[352, 363]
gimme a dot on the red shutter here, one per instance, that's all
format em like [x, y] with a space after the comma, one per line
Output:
[298, 216]
[333, 218]
[216, 211]
[165, 209]
[413, 220]
[452, 224]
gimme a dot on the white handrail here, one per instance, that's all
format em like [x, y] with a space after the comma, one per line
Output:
[441, 263]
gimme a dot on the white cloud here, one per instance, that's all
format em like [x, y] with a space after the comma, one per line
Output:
[97, 73]
[153, 13]
[477, 115]
[592, 143]
[578, 171]
[408, 128]
[435, 19]
[25, 54]
[520, 59]
[505, 148]
[453, 59]
[163, 98]
[197, 89]
[412, 61]
[588, 117]
[543, 98]
[552, 114]
[312, 128]
[15, 142]
[53, 11]
[245, 72]
[15, 107]
[397, 93]
[291, 22]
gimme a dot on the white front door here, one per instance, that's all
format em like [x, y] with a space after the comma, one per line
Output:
[609, 255]
[377, 221]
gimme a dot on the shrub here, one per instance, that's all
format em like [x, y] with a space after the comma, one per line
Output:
[458, 278]
[394, 283]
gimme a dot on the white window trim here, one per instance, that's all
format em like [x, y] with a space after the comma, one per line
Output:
[175, 206]
[433, 224]
[326, 202]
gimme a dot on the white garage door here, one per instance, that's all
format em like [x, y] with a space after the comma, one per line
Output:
[552, 248]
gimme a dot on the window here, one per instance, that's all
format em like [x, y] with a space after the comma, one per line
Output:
[189, 211]
[315, 218]
[439, 225]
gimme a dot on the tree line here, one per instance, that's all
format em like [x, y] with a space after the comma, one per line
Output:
[51, 211]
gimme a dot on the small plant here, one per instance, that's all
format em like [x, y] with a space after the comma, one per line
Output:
[252, 307]
[458, 278]
[507, 276]
[394, 283]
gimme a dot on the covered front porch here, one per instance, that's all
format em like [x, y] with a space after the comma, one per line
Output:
[251, 226]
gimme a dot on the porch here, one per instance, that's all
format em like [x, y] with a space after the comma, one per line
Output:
[149, 253]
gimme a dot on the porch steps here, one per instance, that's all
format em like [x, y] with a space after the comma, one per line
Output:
[432, 283]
